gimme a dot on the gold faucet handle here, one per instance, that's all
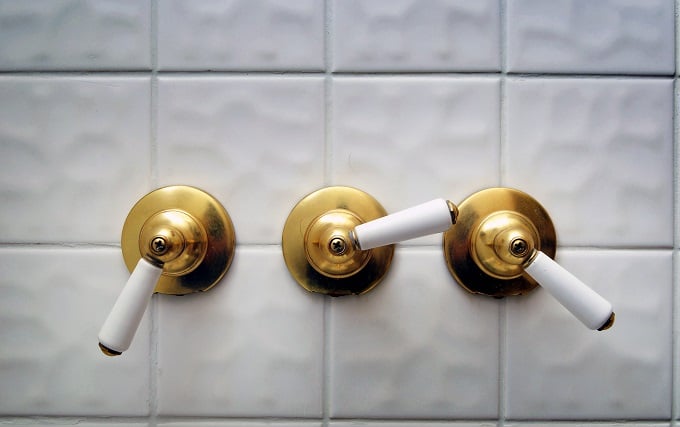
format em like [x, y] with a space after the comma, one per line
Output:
[503, 245]
[176, 240]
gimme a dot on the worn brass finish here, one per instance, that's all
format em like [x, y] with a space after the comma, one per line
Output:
[492, 240]
[329, 248]
[184, 230]
[609, 323]
[184, 242]
[107, 351]
[497, 231]
[319, 250]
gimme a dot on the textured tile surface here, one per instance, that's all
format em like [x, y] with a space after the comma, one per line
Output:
[76, 147]
[408, 140]
[74, 35]
[580, 36]
[241, 35]
[597, 153]
[251, 346]
[410, 35]
[257, 144]
[78, 150]
[54, 302]
[417, 346]
[558, 369]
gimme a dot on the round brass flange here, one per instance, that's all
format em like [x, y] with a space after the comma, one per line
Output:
[497, 231]
[184, 230]
[318, 247]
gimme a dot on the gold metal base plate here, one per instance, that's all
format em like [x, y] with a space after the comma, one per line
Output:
[473, 211]
[356, 272]
[206, 211]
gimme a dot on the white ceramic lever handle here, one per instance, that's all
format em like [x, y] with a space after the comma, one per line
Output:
[431, 217]
[584, 303]
[120, 326]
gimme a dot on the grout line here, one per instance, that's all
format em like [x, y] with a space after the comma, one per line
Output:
[59, 420]
[677, 38]
[503, 34]
[210, 420]
[154, 307]
[328, 179]
[75, 72]
[503, 72]
[480, 421]
[153, 360]
[419, 421]
[326, 370]
[502, 360]
[502, 132]
[328, 134]
[66, 420]
[502, 156]
[502, 140]
[315, 73]
[675, 313]
[675, 341]
[73, 420]
[593, 422]
[154, 94]
[59, 245]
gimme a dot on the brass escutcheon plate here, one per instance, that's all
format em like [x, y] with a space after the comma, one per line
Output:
[473, 211]
[211, 217]
[356, 272]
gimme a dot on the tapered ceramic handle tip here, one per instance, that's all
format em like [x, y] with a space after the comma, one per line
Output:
[587, 305]
[120, 326]
[431, 217]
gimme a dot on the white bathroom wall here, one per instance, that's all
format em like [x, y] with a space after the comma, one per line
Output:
[260, 102]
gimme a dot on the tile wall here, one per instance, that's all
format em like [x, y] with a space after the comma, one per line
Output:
[260, 102]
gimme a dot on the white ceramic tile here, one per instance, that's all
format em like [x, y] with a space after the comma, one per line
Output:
[241, 35]
[559, 369]
[408, 140]
[257, 144]
[598, 154]
[581, 36]
[74, 35]
[74, 156]
[251, 346]
[416, 346]
[54, 302]
[410, 35]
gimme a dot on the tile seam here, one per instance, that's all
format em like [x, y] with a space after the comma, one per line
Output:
[502, 156]
[153, 178]
[112, 420]
[328, 179]
[675, 286]
[310, 74]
